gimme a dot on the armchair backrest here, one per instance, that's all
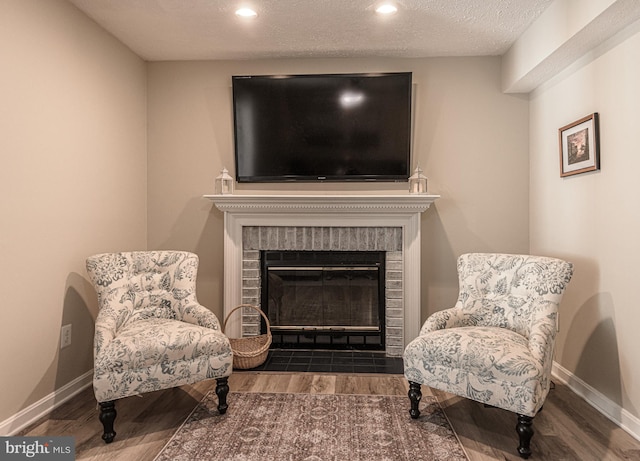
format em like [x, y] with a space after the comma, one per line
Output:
[143, 284]
[512, 291]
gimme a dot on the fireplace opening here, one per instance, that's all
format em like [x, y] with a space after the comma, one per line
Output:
[324, 299]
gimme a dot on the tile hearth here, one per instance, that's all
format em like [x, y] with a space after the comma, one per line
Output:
[318, 361]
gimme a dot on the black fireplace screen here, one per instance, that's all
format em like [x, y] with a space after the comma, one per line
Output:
[324, 298]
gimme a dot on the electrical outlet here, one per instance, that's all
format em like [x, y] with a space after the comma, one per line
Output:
[65, 336]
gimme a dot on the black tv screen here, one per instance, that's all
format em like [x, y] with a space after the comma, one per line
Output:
[337, 127]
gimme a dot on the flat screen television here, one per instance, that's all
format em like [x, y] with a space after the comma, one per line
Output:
[334, 127]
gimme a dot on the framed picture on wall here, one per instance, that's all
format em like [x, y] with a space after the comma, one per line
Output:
[580, 146]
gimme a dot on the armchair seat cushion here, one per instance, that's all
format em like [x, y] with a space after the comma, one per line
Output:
[160, 340]
[491, 365]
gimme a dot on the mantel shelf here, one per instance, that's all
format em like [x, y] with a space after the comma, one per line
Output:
[400, 203]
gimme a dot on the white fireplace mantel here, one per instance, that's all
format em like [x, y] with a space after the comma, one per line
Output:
[392, 204]
[400, 210]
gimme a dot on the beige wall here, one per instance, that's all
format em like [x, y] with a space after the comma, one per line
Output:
[470, 139]
[73, 183]
[593, 219]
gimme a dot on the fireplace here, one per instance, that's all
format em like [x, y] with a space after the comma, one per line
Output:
[324, 299]
[253, 223]
[327, 248]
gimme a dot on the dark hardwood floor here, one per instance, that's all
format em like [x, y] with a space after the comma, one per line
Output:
[567, 428]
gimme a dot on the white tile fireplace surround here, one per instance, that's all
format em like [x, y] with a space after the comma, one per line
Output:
[325, 222]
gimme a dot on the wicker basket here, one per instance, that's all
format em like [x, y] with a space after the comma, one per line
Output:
[251, 351]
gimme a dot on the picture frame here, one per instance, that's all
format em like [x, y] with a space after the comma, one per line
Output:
[579, 146]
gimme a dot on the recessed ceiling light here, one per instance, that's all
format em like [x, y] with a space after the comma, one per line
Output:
[386, 8]
[246, 13]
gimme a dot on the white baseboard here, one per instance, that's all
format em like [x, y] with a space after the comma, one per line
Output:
[19, 421]
[599, 401]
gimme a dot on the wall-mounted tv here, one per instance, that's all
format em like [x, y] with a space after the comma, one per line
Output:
[333, 127]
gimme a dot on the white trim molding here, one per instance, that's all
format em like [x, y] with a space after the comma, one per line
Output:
[618, 415]
[402, 210]
[46, 405]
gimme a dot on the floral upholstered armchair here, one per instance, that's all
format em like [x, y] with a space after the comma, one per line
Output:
[495, 346]
[151, 333]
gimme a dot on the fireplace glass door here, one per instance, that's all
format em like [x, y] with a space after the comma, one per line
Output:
[314, 298]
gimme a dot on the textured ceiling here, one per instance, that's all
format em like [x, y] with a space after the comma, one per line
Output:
[208, 29]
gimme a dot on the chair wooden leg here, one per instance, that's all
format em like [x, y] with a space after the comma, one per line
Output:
[107, 417]
[415, 395]
[222, 389]
[524, 428]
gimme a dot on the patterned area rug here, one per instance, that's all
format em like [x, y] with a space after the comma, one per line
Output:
[313, 427]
